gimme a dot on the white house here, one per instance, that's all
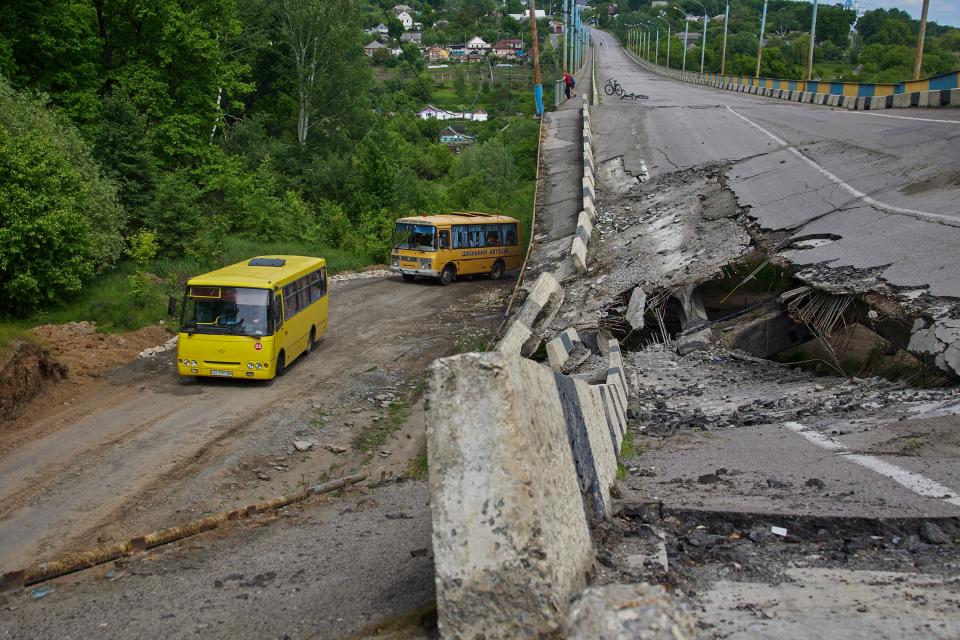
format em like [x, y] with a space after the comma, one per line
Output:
[405, 20]
[476, 43]
[431, 111]
[520, 17]
[400, 8]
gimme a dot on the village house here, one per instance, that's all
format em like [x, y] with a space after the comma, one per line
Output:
[522, 17]
[401, 8]
[380, 31]
[508, 49]
[436, 53]
[477, 44]
[411, 36]
[431, 111]
[372, 48]
[454, 139]
[406, 20]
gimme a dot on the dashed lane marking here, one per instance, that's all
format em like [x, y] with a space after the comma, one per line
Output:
[913, 213]
[916, 482]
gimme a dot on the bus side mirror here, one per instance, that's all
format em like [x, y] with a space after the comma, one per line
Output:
[172, 307]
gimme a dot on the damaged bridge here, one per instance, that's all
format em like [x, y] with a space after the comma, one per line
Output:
[729, 381]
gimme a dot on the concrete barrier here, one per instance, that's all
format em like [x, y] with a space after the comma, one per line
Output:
[578, 246]
[955, 97]
[560, 349]
[520, 459]
[521, 326]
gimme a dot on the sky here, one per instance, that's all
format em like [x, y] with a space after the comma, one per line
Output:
[944, 12]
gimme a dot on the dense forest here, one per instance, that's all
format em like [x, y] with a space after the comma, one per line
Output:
[877, 47]
[144, 140]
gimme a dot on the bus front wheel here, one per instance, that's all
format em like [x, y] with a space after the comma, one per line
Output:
[448, 275]
[281, 365]
[409, 277]
[497, 272]
[311, 341]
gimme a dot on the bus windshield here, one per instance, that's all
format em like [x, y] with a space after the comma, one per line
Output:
[415, 237]
[226, 311]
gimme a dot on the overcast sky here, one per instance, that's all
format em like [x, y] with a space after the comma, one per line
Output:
[940, 11]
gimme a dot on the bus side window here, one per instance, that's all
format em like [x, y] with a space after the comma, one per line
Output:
[510, 234]
[444, 239]
[277, 311]
[303, 292]
[323, 281]
[316, 286]
[290, 304]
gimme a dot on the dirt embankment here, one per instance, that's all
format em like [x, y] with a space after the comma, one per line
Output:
[24, 375]
[73, 350]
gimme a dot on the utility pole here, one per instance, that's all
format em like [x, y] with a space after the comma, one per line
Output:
[763, 26]
[534, 45]
[813, 42]
[918, 58]
[566, 32]
[723, 56]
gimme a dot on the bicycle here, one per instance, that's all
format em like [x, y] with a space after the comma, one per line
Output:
[633, 96]
[612, 87]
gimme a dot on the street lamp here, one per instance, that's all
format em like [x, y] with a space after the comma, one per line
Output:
[686, 29]
[763, 26]
[650, 28]
[726, 21]
[813, 40]
[918, 56]
[658, 40]
[703, 47]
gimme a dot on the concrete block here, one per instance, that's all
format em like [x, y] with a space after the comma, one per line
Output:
[584, 226]
[590, 207]
[587, 188]
[834, 100]
[510, 535]
[924, 99]
[615, 611]
[519, 330]
[860, 104]
[694, 341]
[849, 102]
[955, 97]
[901, 100]
[560, 348]
[807, 96]
[578, 250]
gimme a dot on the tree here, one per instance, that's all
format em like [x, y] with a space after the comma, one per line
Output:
[60, 223]
[323, 37]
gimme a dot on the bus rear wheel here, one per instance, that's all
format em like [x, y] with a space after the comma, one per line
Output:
[448, 275]
[281, 365]
[497, 271]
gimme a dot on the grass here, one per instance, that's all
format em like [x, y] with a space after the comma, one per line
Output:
[627, 451]
[374, 436]
[471, 339]
[417, 468]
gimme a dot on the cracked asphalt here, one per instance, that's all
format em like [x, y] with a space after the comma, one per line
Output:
[881, 188]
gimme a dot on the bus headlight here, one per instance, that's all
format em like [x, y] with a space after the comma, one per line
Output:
[258, 366]
[249, 365]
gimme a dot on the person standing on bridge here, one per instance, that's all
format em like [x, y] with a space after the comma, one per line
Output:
[568, 85]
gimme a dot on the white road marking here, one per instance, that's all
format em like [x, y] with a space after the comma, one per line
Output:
[916, 482]
[885, 115]
[913, 213]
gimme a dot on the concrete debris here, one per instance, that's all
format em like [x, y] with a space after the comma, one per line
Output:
[163, 348]
[694, 342]
[334, 448]
[636, 308]
[938, 339]
[617, 611]
[302, 445]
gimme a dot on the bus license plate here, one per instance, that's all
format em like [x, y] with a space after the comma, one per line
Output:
[219, 372]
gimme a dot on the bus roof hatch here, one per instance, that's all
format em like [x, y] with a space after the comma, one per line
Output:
[267, 262]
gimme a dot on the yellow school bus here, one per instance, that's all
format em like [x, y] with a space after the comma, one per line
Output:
[253, 318]
[447, 246]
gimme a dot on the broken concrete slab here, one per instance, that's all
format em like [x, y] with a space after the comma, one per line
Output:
[619, 611]
[636, 308]
[694, 341]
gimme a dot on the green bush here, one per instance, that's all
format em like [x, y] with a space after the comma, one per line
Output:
[60, 223]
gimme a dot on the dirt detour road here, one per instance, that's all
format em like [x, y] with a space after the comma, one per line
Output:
[144, 449]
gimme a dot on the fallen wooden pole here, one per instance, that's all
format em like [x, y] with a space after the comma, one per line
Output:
[72, 562]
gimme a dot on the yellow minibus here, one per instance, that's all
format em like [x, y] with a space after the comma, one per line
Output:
[447, 246]
[253, 318]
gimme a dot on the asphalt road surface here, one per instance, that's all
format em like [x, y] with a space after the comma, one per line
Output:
[883, 186]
